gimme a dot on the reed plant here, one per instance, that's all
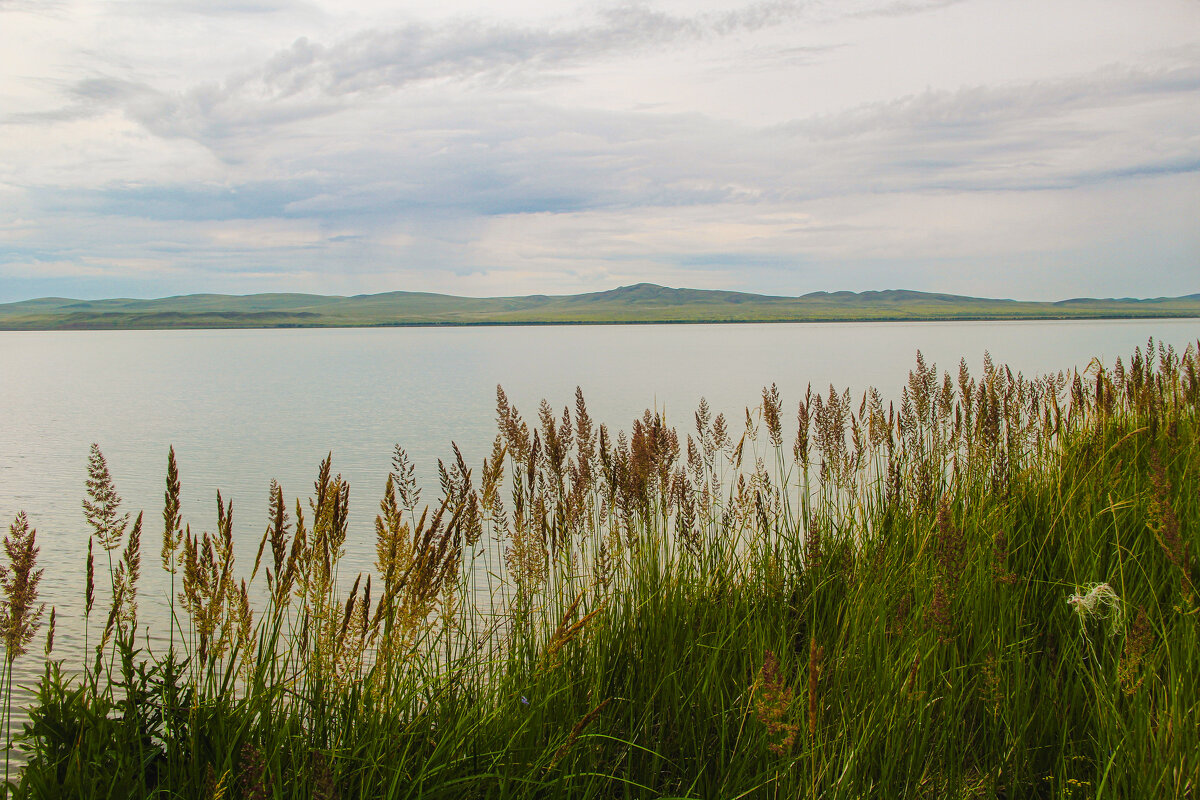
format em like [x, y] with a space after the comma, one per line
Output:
[986, 589]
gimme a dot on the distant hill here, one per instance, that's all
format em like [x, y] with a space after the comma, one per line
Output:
[640, 303]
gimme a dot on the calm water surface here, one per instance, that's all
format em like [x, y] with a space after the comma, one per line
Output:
[243, 407]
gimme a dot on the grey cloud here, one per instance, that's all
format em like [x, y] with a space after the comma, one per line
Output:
[982, 107]
[310, 79]
[1043, 135]
[95, 95]
[905, 7]
[440, 161]
[41, 7]
[224, 7]
[391, 59]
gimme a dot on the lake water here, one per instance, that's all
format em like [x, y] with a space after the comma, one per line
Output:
[242, 407]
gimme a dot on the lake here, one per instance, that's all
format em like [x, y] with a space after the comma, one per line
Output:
[244, 406]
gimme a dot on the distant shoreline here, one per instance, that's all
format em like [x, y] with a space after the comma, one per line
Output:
[641, 304]
[596, 323]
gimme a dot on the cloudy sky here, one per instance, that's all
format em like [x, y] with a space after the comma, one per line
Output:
[1037, 149]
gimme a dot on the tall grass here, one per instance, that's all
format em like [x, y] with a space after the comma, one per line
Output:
[988, 590]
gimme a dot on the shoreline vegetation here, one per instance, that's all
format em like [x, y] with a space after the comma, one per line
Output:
[988, 589]
[638, 304]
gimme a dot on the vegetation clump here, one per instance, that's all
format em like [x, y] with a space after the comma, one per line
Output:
[984, 590]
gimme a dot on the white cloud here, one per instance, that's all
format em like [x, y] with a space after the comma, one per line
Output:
[780, 146]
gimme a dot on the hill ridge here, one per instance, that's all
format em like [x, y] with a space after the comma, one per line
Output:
[642, 302]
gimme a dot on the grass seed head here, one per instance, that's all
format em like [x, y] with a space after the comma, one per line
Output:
[255, 781]
[20, 616]
[171, 518]
[772, 706]
[102, 508]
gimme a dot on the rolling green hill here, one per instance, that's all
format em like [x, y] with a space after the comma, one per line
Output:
[640, 303]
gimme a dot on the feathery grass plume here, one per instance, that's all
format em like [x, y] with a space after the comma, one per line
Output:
[702, 417]
[112, 624]
[1139, 640]
[940, 613]
[900, 615]
[209, 594]
[950, 553]
[526, 556]
[130, 571]
[813, 547]
[351, 599]
[772, 407]
[816, 654]
[695, 461]
[1000, 571]
[244, 621]
[800, 450]
[404, 472]
[913, 672]
[102, 508]
[89, 586]
[585, 445]
[491, 481]
[566, 631]
[287, 578]
[413, 586]
[463, 496]
[19, 618]
[830, 419]
[220, 617]
[50, 631]
[991, 687]
[686, 532]
[720, 434]
[324, 787]
[190, 594]
[172, 533]
[366, 607]
[516, 432]
[255, 782]
[221, 787]
[556, 443]
[576, 730]
[209, 786]
[1165, 525]
[772, 706]
[330, 509]
[393, 537]
[276, 534]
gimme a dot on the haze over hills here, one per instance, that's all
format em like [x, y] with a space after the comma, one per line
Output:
[639, 303]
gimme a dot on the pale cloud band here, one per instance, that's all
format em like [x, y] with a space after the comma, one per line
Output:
[776, 146]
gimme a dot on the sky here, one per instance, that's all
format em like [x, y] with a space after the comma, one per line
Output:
[1033, 149]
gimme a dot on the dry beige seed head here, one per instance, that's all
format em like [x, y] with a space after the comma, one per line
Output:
[172, 534]
[19, 618]
[772, 702]
[89, 591]
[102, 507]
[50, 632]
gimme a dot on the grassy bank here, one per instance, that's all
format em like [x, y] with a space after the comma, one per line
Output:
[988, 590]
[642, 303]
